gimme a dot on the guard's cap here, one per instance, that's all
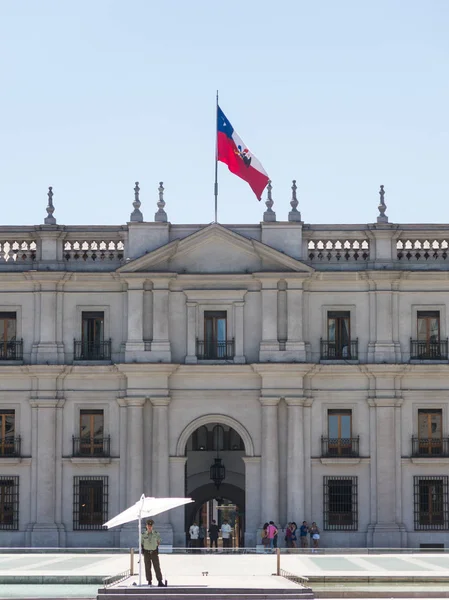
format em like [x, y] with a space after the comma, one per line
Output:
[150, 522]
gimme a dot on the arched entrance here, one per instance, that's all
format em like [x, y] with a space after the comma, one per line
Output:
[218, 495]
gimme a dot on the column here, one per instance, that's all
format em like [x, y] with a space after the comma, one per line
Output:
[384, 348]
[295, 458]
[387, 531]
[161, 475]
[239, 356]
[191, 357]
[295, 345]
[177, 490]
[134, 341]
[134, 412]
[147, 313]
[160, 346]
[270, 460]
[44, 531]
[253, 518]
[46, 348]
[269, 345]
[306, 431]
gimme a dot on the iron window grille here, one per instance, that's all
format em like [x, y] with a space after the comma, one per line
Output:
[339, 447]
[11, 350]
[430, 447]
[428, 350]
[431, 502]
[340, 503]
[215, 350]
[92, 350]
[9, 502]
[91, 447]
[90, 502]
[330, 350]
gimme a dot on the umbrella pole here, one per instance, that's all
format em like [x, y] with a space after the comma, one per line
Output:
[140, 549]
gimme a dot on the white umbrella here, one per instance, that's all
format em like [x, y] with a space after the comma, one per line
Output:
[142, 509]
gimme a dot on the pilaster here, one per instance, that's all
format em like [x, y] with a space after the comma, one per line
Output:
[134, 343]
[160, 347]
[295, 457]
[191, 358]
[161, 472]
[295, 346]
[270, 459]
[177, 490]
[239, 357]
[253, 516]
[269, 345]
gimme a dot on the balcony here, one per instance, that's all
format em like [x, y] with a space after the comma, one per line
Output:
[430, 447]
[206, 350]
[10, 447]
[87, 447]
[339, 447]
[338, 351]
[83, 350]
[11, 350]
[424, 350]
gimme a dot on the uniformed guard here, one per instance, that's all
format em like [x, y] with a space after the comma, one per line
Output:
[150, 541]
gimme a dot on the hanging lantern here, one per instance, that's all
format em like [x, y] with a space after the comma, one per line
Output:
[217, 472]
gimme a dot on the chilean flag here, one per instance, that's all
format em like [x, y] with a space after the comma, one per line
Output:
[233, 152]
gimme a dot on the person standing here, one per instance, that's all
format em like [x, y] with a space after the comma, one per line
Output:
[201, 536]
[314, 536]
[303, 532]
[294, 529]
[150, 541]
[194, 533]
[213, 534]
[226, 534]
[271, 533]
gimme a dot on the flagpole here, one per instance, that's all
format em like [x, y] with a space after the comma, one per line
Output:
[216, 161]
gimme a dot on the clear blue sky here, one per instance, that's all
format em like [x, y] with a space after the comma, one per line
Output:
[342, 95]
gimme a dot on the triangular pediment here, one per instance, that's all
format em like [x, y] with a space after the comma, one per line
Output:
[215, 249]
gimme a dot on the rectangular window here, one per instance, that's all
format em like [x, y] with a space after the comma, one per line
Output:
[9, 502]
[340, 503]
[91, 432]
[340, 432]
[430, 431]
[8, 332]
[339, 334]
[215, 334]
[93, 345]
[7, 432]
[429, 326]
[90, 502]
[431, 502]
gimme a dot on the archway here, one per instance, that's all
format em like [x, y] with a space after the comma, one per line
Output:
[218, 497]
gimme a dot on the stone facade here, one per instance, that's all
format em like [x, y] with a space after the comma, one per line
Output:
[278, 285]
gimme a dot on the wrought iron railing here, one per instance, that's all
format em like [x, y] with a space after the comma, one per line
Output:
[11, 350]
[430, 447]
[339, 447]
[211, 350]
[85, 350]
[96, 447]
[424, 350]
[10, 446]
[338, 351]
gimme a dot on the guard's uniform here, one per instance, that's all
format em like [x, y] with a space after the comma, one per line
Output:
[150, 543]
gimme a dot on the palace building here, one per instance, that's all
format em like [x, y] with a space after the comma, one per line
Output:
[274, 371]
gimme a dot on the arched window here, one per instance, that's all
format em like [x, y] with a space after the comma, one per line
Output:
[218, 438]
[199, 438]
[235, 441]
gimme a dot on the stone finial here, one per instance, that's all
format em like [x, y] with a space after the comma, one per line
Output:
[136, 215]
[382, 218]
[161, 215]
[269, 214]
[294, 214]
[49, 219]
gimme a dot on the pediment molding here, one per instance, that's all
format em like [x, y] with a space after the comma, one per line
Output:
[182, 247]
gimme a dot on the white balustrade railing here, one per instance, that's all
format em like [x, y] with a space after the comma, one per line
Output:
[338, 250]
[17, 251]
[94, 250]
[422, 250]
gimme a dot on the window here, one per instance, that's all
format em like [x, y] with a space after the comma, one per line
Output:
[90, 502]
[340, 432]
[431, 502]
[7, 432]
[215, 346]
[200, 438]
[91, 432]
[340, 503]
[428, 346]
[93, 346]
[9, 502]
[430, 431]
[218, 438]
[338, 344]
[10, 349]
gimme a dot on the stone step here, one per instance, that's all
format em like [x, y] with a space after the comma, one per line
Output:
[174, 595]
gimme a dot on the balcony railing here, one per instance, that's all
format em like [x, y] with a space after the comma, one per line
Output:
[93, 447]
[430, 447]
[206, 350]
[83, 350]
[10, 447]
[338, 351]
[339, 447]
[424, 350]
[11, 350]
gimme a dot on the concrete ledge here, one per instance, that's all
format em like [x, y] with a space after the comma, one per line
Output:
[52, 579]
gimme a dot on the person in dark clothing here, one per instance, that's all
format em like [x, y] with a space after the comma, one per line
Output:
[213, 534]
[150, 541]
